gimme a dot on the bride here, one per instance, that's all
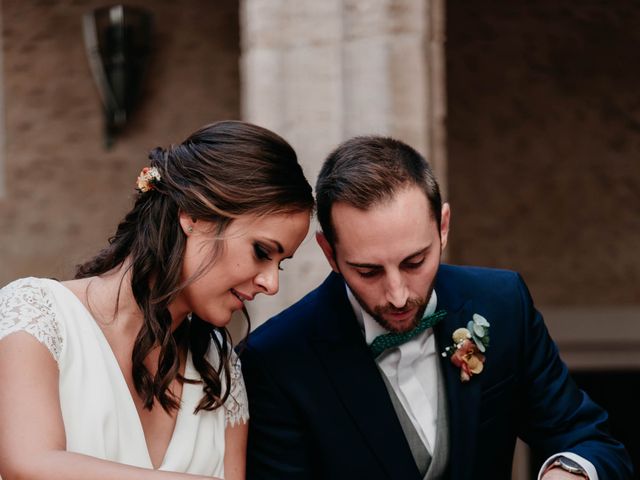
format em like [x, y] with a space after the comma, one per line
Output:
[127, 370]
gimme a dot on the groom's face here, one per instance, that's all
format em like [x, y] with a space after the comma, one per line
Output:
[389, 255]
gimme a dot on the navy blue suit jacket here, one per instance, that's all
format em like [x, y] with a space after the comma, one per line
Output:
[319, 407]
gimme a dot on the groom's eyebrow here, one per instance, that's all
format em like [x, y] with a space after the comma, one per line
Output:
[416, 254]
[363, 265]
[375, 265]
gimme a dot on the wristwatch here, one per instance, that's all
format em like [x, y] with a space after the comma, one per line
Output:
[568, 465]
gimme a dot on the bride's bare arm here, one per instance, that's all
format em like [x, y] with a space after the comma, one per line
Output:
[32, 437]
[235, 452]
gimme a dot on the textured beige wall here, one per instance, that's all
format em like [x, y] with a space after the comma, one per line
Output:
[64, 192]
[544, 145]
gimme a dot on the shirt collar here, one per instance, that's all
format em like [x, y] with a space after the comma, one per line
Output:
[369, 326]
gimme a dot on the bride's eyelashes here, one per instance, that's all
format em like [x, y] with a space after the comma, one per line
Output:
[262, 253]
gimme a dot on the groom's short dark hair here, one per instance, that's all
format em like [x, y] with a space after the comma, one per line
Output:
[368, 170]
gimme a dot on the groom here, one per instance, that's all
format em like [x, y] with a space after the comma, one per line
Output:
[399, 367]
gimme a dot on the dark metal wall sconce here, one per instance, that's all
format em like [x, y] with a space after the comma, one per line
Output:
[118, 43]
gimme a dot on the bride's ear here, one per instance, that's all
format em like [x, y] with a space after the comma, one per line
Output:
[187, 223]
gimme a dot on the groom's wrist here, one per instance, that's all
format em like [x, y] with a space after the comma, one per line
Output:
[565, 465]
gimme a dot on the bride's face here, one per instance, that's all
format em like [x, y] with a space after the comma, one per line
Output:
[246, 263]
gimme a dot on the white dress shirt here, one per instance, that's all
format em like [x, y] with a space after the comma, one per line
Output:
[411, 369]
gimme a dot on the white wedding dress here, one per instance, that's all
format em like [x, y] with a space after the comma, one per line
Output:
[100, 418]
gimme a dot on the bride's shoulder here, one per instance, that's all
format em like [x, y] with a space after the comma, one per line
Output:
[221, 348]
[28, 305]
[24, 286]
[236, 406]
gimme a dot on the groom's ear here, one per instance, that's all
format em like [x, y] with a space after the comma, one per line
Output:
[445, 221]
[328, 251]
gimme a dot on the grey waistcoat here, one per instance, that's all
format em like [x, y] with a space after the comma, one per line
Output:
[431, 466]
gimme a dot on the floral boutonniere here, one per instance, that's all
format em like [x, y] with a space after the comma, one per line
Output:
[469, 346]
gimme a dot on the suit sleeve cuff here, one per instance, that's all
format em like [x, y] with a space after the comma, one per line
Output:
[583, 462]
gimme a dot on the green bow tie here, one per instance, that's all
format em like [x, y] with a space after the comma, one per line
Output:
[390, 340]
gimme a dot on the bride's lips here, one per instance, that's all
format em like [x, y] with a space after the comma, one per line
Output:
[241, 296]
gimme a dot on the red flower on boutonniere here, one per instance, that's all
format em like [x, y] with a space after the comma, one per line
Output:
[469, 345]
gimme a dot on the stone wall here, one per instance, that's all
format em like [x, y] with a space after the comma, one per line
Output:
[543, 115]
[64, 191]
[544, 145]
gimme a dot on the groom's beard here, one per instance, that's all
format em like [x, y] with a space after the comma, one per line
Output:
[377, 312]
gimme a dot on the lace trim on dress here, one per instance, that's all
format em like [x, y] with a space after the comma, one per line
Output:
[237, 406]
[25, 306]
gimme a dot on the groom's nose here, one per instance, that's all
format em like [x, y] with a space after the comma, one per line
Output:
[397, 292]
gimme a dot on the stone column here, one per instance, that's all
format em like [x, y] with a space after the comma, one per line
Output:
[321, 72]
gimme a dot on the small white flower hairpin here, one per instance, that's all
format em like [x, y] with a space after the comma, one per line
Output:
[148, 177]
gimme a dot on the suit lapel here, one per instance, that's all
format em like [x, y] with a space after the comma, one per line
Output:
[463, 397]
[341, 347]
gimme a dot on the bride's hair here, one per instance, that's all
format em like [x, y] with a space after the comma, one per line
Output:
[221, 172]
